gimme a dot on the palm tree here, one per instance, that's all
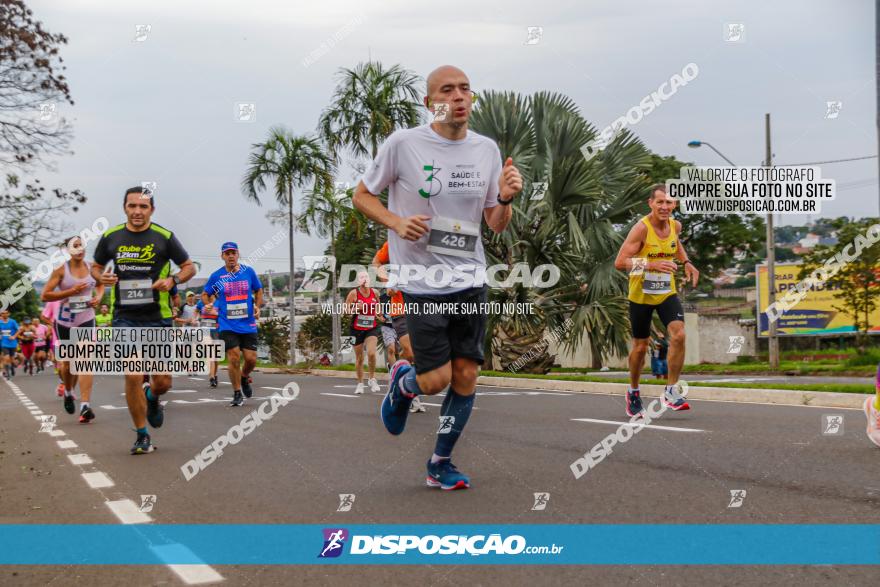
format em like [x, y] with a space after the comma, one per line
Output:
[369, 103]
[578, 226]
[326, 211]
[283, 163]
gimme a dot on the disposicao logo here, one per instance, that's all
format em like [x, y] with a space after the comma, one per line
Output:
[334, 542]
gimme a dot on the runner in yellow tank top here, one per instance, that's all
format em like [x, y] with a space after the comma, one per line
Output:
[653, 287]
[649, 255]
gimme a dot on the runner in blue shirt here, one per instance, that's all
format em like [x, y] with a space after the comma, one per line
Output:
[9, 343]
[237, 294]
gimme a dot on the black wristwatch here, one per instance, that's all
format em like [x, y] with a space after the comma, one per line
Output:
[175, 279]
[504, 202]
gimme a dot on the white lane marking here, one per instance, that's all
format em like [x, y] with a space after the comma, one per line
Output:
[191, 574]
[616, 423]
[338, 394]
[182, 391]
[737, 379]
[108, 407]
[273, 388]
[38, 417]
[720, 401]
[345, 386]
[225, 383]
[80, 459]
[197, 378]
[128, 512]
[98, 480]
[520, 393]
[196, 574]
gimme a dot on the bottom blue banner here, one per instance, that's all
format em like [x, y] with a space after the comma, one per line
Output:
[625, 544]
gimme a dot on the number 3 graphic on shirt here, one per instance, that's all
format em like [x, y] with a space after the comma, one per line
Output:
[432, 191]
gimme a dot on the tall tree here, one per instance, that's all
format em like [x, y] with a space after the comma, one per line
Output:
[283, 163]
[325, 212]
[369, 103]
[32, 220]
[857, 283]
[577, 226]
[32, 86]
[27, 306]
[32, 131]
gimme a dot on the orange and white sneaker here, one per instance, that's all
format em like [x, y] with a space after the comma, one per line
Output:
[873, 415]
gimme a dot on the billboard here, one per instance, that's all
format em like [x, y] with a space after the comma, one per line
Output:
[815, 315]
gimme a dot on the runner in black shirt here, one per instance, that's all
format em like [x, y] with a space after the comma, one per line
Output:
[141, 252]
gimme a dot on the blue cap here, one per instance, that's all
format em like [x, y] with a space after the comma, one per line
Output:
[229, 246]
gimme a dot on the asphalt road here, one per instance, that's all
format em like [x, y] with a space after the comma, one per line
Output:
[734, 378]
[518, 442]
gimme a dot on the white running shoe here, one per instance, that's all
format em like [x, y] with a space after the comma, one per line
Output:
[359, 390]
[374, 385]
[417, 406]
[873, 420]
[674, 399]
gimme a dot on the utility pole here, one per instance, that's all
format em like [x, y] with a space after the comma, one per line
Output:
[772, 340]
[271, 297]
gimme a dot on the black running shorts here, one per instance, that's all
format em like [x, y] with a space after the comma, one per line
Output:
[399, 325]
[233, 340]
[361, 335]
[669, 310]
[438, 338]
[63, 332]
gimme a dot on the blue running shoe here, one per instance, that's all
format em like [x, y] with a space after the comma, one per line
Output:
[633, 403]
[246, 388]
[142, 445]
[155, 410]
[395, 406]
[444, 475]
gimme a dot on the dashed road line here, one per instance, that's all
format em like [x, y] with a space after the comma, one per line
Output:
[128, 512]
[637, 425]
[98, 480]
[125, 510]
[80, 459]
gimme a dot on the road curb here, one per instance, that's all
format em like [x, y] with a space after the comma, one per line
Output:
[785, 397]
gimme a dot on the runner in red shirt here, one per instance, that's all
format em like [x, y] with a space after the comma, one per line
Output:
[363, 303]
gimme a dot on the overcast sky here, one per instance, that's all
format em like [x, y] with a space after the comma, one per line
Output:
[163, 109]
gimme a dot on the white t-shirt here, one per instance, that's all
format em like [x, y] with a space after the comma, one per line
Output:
[450, 181]
[188, 312]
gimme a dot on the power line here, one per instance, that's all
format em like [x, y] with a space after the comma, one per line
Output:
[827, 162]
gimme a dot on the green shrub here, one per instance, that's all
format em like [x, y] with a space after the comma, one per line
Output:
[870, 357]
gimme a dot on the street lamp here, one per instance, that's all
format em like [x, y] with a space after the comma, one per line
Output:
[697, 144]
[772, 340]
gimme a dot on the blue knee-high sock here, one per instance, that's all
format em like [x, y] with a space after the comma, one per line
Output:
[409, 385]
[454, 414]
